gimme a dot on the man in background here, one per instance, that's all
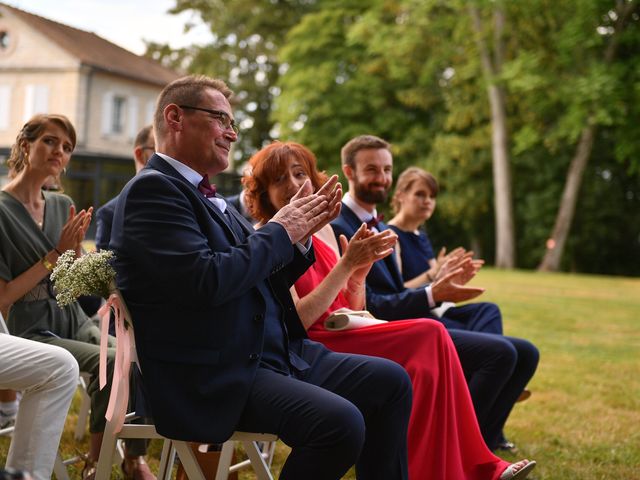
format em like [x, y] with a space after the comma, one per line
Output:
[143, 148]
[497, 367]
[136, 449]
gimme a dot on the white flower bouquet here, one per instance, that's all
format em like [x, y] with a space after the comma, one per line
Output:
[90, 274]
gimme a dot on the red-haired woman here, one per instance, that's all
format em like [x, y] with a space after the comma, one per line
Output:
[444, 437]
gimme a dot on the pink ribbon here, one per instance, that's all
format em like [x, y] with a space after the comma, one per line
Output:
[119, 397]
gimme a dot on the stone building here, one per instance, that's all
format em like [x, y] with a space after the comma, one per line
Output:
[106, 91]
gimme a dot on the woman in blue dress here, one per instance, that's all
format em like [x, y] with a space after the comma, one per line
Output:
[414, 202]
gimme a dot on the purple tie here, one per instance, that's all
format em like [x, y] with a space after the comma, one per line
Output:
[206, 188]
[373, 223]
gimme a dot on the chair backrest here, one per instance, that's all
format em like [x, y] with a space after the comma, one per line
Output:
[116, 428]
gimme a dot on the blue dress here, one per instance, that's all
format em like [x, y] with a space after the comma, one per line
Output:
[415, 252]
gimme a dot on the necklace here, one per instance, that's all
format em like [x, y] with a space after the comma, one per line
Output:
[35, 211]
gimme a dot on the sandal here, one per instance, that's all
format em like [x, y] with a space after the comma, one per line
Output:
[518, 470]
[89, 469]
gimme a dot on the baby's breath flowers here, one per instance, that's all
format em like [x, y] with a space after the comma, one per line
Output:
[91, 274]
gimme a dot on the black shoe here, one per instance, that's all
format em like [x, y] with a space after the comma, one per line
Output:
[507, 446]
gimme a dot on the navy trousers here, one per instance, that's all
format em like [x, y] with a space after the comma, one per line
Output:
[344, 410]
[497, 367]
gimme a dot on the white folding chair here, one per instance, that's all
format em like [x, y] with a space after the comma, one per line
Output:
[259, 447]
[85, 407]
[260, 461]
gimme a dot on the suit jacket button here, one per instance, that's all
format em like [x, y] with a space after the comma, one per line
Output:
[254, 356]
[258, 318]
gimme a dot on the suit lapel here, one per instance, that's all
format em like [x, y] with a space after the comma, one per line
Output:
[391, 264]
[385, 267]
[350, 218]
[159, 165]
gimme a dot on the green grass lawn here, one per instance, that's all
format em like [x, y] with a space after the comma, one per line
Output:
[583, 420]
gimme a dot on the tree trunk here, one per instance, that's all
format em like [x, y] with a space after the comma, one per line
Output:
[556, 244]
[502, 197]
[562, 226]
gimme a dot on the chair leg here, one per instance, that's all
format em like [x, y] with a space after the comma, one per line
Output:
[268, 450]
[167, 459]
[107, 451]
[85, 408]
[189, 462]
[60, 469]
[225, 460]
[257, 460]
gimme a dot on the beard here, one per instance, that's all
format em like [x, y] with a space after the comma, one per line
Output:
[370, 197]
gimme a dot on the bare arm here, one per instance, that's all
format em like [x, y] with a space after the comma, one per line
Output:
[70, 239]
[364, 248]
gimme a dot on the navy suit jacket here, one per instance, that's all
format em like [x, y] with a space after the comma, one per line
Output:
[196, 293]
[104, 220]
[235, 201]
[387, 297]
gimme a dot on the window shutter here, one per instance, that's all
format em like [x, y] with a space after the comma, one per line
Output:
[107, 106]
[36, 100]
[151, 107]
[132, 120]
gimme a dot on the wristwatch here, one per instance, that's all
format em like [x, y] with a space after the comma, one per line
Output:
[47, 264]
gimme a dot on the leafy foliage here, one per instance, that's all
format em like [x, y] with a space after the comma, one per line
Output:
[321, 72]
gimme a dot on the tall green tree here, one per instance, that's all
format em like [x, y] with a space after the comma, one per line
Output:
[596, 112]
[491, 60]
[412, 72]
[246, 37]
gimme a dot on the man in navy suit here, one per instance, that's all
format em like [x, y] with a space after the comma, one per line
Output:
[143, 147]
[220, 344]
[497, 367]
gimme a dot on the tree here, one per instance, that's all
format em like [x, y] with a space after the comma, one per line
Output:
[623, 13]
[247, 35]
[491, 68]
[411, 71]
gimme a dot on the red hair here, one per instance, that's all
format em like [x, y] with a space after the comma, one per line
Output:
[267, 165]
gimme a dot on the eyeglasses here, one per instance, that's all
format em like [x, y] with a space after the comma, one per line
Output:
[222, 117]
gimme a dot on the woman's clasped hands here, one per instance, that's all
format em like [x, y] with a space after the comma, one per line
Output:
[74, 230]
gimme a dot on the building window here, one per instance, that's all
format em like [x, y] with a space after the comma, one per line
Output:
[8, 39]
[118, 114]
[36, 100]
[148, 118]
[5, 40]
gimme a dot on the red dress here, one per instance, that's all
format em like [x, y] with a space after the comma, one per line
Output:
[444, 437]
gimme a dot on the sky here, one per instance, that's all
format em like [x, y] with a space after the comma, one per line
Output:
[126, 23]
